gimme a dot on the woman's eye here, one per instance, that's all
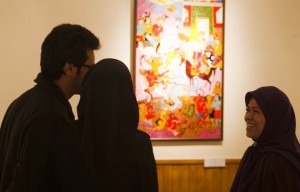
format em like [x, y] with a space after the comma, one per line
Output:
[256, 111]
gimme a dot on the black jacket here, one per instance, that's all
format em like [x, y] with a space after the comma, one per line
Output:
[38, 145]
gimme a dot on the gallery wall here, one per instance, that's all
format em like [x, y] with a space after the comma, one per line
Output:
[262, 41]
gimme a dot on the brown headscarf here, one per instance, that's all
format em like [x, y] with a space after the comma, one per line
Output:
[278, 135]
[108, 111]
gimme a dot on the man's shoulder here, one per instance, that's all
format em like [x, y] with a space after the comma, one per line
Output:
[37, 102]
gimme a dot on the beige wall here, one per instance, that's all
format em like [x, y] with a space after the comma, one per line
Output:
[262, 45]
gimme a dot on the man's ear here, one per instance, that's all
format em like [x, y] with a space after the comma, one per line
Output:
[70, 69]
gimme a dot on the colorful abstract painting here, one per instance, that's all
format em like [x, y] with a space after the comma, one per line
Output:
[178, 69]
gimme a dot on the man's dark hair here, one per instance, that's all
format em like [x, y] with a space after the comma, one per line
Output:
[66, 43]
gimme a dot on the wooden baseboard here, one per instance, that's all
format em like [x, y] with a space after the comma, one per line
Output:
[192, 176]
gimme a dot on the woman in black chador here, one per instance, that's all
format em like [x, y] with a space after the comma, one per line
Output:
[120, 155]
[272, 162]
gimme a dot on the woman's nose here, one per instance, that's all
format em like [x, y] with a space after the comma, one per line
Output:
[248, 116]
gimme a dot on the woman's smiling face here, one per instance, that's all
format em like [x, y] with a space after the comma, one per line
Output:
[255, 119]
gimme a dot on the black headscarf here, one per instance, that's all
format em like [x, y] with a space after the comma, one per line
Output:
[278, 135]
[108, 111]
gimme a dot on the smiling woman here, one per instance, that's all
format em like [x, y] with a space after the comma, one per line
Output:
[275, 153]
[255, 119]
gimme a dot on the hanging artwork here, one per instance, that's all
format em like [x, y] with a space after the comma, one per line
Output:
[178, 69]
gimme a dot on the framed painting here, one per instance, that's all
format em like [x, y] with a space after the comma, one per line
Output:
[178, 68]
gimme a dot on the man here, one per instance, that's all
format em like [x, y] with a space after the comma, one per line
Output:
[38, 146]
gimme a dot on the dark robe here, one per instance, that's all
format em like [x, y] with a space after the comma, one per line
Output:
[38, 146]
[272, 163]
[120, 155]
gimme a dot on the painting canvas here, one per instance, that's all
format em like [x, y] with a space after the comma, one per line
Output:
[178, 68]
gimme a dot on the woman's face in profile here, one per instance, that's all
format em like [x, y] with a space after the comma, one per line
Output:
[255, 119]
